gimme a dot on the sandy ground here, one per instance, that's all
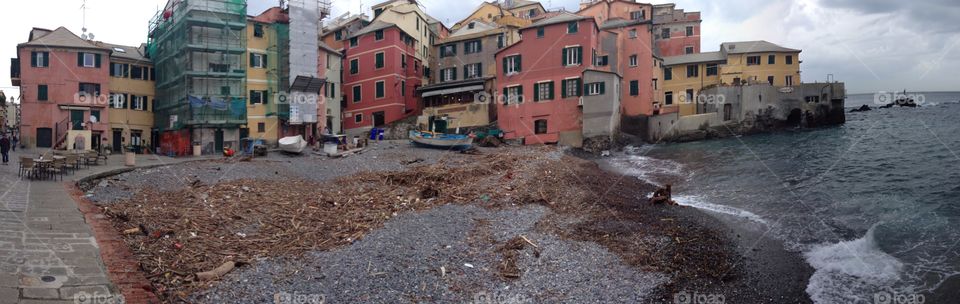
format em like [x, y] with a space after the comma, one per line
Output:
[618, 249]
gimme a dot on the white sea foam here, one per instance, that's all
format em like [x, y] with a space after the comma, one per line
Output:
[851, 271]
[700, 203]
[648, 169]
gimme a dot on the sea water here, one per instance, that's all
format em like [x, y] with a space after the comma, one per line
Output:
[872, 205]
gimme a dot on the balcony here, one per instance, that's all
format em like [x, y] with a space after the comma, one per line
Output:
[15, 71]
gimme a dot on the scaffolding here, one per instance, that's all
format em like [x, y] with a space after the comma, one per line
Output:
[198, 48]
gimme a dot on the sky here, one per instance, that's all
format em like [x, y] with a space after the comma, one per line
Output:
[876, 45]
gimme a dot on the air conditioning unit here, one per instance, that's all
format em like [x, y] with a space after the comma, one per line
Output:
[580, 101]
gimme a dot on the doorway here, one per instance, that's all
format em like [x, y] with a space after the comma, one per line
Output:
[218, 140]
[44, 138]
[117, 140]
[379, 118]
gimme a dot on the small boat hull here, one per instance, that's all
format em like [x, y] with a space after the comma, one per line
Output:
[293, 144]
[441, 141]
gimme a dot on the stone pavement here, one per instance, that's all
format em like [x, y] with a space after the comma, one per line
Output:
[48, 253]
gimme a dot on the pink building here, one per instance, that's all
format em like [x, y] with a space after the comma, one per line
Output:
[675, 32]
[380, 76]
[542, 78]
[64, 85]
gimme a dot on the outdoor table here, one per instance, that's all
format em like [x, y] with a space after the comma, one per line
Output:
[42, 165]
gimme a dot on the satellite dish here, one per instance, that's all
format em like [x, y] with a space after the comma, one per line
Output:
[91, 36]
[93, 119]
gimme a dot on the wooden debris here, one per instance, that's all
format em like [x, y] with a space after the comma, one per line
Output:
[216, 272]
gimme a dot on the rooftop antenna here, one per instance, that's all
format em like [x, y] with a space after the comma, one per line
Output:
[85, 35]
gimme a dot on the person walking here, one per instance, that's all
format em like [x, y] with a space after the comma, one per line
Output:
[5, 149]
[13, 143]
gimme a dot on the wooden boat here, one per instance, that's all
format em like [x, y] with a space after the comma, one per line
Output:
[440, 140]
[293, 144]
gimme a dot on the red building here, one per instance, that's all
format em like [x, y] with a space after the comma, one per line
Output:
[380, 76]
[675, 32]
[541, 78]
[64, 83]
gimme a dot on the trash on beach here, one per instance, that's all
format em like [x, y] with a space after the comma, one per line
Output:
[468, 265]
[217, 272]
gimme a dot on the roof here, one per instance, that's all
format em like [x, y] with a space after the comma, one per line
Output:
[559, 18]
[127, 52]
[471, 35]
[329, 49]
[760, 46]
[618, 23]
[61, 37]
[520, 3]
[342, 21]
[372, 27]
[694, 58]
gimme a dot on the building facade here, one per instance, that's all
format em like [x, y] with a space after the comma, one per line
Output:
[64, 82]
[380, 75]
[675, 31]
[331, 66]
[132, 83]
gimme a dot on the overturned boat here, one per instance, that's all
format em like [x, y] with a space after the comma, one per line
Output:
[293, 144]
[441, 141]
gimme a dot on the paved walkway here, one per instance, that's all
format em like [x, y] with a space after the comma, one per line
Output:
[48, 253]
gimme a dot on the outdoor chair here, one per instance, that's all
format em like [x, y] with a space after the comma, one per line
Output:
[72, 162]
[56, 168]
[27, 167]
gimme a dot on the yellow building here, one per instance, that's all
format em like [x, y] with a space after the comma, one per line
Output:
[737, 63]
[408, 16]
[132, 91]
[263, 121]
[518, 13]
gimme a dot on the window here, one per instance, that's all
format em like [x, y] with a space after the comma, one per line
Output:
[540, 32]
[39, 59]
[119, 70]
[668, 98]
[540, 126]
[572, 27]
[90, 88]
[338, 35]
[356, 93]
[118, 101]
[593, 89]
[471, 47]
[258, 61]
[354, 42]
[689, 96]
[667, 73]
[570, 87]
[693, 71]
[95, 115]
[689, 31]
[377, 12]
[688, 50]
[258, 97]
[403, 88]
[633, 60]
[448, 50]
[511, 64]
[753, 60]
[602, 60]
[225, 90]
[634, 88]
[633, 33]
[403, 61]
[789, 80]
[532, 13]
[471, 25]
[354, 66]
[378, 35]
[88, 60]
[471, 71]
[513, 94]
[500, 41]
[258, 30]
[771, 59]
[665, 33]
[712, 69]
[637, 15]
[358, 118]
[789, 59]
[770, 79]
[380, 92]
[138, 103]
[655, 84]
[448, 74]
[261, 127]
[42, 92]
[378, 60]
[572, 55]
[543, 91]
[137, 72]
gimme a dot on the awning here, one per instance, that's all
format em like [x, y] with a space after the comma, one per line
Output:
[307, 84]
[453, 90]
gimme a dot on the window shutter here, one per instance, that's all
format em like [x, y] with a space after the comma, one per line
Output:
[130, 104]
[33, 59]
[520, 93]
[46, 59]
[536, 92]
[563, 88]
[251, 60]
[580, 54]
[96, 61]
[586, 88]
[505, 65]
[506, 98]
[454, 74]
[579, 87]
[112, 72]
[251, 96]
[264, 97]
[79, 59]
[551, 91]
[264, 63]
[465, 69]
[479, 46]
[519, 65]
[564, 56]
[603, 88]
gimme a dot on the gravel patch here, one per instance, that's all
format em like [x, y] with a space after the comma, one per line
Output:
[446, 254]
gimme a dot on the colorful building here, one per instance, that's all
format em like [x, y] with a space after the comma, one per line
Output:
[675, 32]
[338, 31]
[132, 83]
[265, 35]
[543, 77]
[460, 97]
[381, 73]
[408, 17]
[331, 67]
[64, 82]
[507, 13]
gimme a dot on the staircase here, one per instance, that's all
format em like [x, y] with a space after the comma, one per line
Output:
[60, 133]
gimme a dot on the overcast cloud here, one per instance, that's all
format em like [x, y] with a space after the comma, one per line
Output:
[871, 45]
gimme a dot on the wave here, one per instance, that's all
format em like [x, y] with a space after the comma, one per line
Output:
[648, 169]
[851, 271]
[700, 203]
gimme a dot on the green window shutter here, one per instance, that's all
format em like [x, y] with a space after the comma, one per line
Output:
[265, 60]
[264, 97]
[520, 90]
[465, 76]
[586, 87]
[80, 59]
[454, 74]
[479, 46]
[551, 91]
[563, 88]
[536, 92]
[96, 61]
[603, 88]
[505, 65]
[33, 59]
[564, 53]
[519, 65]
[251, 60]
[42, 92]
[113, 73]
[505, 97]
[250, 97]
[579, 87]
[580, 54]
[46, 59]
